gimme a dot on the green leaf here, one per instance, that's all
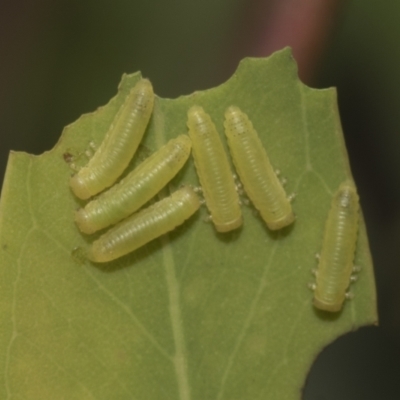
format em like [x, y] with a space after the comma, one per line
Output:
[194, 315]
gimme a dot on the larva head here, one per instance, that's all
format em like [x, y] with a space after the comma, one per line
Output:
[180, 149]
[346, 197]
[186, 194]
[236, 122]
[143, 96]
[199, 121]
[183, 142]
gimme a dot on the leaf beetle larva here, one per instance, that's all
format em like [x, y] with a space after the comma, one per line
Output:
[214, 171]
[255, 170]
[335, 266]
[144, 226]
[119, 144]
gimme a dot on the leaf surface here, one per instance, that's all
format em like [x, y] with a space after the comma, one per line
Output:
[193, 315]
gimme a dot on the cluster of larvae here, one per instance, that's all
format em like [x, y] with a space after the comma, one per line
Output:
[119, 205]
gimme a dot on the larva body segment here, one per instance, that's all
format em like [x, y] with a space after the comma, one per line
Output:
[146, 225]
[214, 171]
[119, 144]
[255, 170]
[142, 184]
[338, 249]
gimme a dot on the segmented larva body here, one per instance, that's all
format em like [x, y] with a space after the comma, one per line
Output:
[255, 170]
[338, 249]
[119, 144]
[138, 187]
[214, 171]
[146, 225]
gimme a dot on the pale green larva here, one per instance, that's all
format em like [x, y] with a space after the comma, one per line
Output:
[119, 144]
[255, 170]
[335, 266]
[144, 226]
[214, 171]
[138, 187]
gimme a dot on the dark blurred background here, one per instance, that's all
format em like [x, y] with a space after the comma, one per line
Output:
[60, 59]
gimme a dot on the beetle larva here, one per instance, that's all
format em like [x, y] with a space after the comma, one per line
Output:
[214, 171]
[255, 171]
[338, 248]
[119, 144]
[146, 225]
[142, 184]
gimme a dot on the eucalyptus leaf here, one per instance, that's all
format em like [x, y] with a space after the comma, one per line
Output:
[195, 314]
